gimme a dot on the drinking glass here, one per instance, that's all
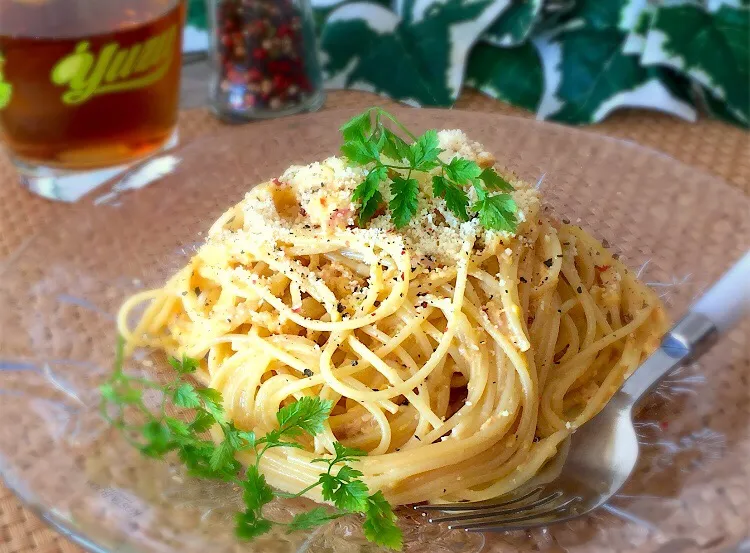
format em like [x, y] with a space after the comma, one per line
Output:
[87, 87]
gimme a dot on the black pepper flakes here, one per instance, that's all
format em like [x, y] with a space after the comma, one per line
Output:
[308, 373]
[522, 279]
[548, 262]
[579, 290]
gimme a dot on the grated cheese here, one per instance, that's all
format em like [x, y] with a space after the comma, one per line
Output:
[316, 199]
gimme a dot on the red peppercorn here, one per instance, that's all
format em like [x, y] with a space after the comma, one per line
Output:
[254, 75]
[280, 83]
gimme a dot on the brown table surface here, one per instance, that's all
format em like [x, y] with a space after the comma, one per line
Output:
[707, 145]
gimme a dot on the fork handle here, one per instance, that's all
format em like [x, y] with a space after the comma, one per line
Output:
[716, 312]
[729, 299]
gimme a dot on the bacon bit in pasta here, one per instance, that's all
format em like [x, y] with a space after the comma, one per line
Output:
[601, 268]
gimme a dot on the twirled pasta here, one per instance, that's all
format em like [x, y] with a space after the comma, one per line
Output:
[458, 358]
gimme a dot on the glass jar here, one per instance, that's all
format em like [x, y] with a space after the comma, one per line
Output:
[264, 59]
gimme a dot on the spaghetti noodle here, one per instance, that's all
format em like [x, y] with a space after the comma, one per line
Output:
[458, 358]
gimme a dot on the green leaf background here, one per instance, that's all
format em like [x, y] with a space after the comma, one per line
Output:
[573, 61]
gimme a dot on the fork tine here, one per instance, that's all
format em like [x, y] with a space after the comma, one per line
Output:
[501, 512]
[473, 506]
[529, 520]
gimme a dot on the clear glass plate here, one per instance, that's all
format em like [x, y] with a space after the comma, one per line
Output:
[678, 227]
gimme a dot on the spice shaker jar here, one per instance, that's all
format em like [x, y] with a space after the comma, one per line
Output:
[265, 59]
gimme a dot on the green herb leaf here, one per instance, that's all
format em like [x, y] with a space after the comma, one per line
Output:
[121, 393]
[403, 203]
[347, 494]
[348, 474]
[212, 402]
[248, 525]
[497, 212]
[342, 454]
[357, 127]
[455, 198]
[395, 147]
[493, 181]
[306, 414]
[222, 456]
[177, 427]
[157, 436]
[255, 490]
[363, 150]
[380, 523]
[359, 151]
[202, 422]
[423, 154]
[462, 171]
[186, 365]
[186, 396]
[311, 519]
[368, 210]
[345, 454]
[368, 193]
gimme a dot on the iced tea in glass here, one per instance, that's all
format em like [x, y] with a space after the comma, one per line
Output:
[87, 87]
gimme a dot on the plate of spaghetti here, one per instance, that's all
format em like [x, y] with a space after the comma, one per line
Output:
[301, 329]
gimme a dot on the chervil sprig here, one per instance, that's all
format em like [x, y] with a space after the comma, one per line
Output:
[157, 434]
[369, 142]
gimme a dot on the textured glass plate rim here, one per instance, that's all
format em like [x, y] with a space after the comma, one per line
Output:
[65, 526]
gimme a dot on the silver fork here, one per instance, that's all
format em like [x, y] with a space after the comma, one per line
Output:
[600, 455]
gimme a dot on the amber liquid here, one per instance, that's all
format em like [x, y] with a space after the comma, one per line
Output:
[113, 125]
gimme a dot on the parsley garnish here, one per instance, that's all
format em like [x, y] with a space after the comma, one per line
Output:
[157, 434]
[368, 142]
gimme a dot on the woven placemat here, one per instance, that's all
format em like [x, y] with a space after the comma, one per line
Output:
[709, 146]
